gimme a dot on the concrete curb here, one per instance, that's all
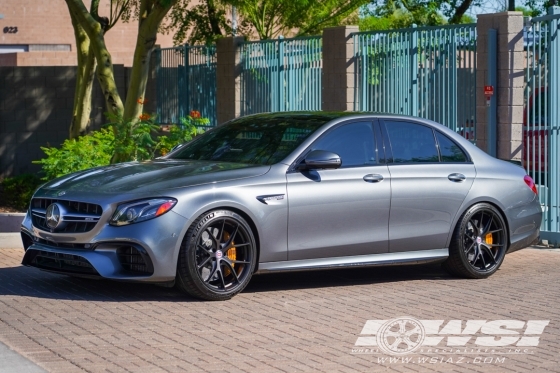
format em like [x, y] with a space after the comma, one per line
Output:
[11, 222]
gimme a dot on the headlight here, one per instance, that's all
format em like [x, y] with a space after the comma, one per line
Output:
[135, 212]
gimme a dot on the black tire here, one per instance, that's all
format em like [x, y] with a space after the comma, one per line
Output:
[479, 243]
[217, 257]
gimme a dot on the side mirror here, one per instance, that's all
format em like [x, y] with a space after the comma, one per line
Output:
[320, 159]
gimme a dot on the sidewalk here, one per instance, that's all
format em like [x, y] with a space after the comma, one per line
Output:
[10, 241]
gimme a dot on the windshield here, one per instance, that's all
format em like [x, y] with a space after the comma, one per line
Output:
[262, 140]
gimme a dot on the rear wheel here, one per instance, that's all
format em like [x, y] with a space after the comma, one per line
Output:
[479, 243]
[217, 257]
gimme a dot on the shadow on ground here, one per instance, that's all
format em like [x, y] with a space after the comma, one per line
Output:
[31, 282]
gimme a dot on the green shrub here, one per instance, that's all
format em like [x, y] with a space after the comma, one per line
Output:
[18, 190]
[180, 133]
[91, 150]
[134, 142]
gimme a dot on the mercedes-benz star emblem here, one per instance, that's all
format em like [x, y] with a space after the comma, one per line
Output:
[53, 216]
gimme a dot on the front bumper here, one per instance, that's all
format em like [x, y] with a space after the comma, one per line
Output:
[145, 251]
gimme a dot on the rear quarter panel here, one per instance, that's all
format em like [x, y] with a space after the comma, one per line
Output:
[501, 184]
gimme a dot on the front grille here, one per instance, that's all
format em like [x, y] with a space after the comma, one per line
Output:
[66, 263]
[133, 260]
[79, 217]
[64, 245]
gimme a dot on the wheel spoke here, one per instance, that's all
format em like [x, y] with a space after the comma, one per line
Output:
[479, 225]
[490, 254]
[487, 227]
[496, 230]
[240, 245]
[222, 231]
[207, 251]
[204, 263]
[470, 238]
[239, 262]
[212, 237]
[470, 248]
[396, 343]
[408, 342]
[231, 237]
[492, 245]
[232, 270]
[402, 326]
[475, 226]
[222, 278]
[390, 333]
[481, 257]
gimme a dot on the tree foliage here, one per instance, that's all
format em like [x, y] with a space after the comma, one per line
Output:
[263, 19]
[388, 14]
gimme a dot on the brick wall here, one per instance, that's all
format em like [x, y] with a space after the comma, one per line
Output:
[48, 23]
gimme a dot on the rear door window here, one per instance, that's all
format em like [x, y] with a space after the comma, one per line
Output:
[449, 151]
[411, 142]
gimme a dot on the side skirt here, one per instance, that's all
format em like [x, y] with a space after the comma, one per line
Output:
[385, 259]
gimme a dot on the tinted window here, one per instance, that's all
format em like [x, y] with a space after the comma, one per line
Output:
[449, 151]
[252, 140]
[352, 142]
[411, 142]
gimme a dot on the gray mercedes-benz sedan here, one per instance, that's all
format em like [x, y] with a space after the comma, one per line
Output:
[283, 192]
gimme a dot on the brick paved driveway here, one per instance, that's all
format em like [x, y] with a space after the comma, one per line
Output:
[281, 323]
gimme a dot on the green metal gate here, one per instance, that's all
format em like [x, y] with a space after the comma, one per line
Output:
[281, 75]
[541, 117]
[186, 81]
[429, 72]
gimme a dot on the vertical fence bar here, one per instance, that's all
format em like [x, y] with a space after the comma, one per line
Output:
[280, 75]
[541, 148]
[414, 72]
[553, 116]
[417, 71]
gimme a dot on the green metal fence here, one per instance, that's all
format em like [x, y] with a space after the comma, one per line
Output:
[541, 117]
[186, 81]
[429, 72]
[281, 75]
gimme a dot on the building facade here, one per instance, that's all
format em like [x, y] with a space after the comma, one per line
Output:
[40, 33]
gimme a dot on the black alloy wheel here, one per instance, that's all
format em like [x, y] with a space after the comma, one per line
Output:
[217, 257]
[479, 243]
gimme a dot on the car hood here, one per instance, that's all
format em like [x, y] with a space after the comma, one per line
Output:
[152, 176]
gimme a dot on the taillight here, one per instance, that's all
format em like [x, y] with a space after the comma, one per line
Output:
[530, 183]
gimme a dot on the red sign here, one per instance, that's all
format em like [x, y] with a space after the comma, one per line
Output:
[488, 90]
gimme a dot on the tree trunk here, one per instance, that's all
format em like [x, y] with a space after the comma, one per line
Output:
[81, 109]
[82, 98]
[460, 11]
[104, 69]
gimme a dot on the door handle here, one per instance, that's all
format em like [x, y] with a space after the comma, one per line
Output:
[456, 177]
[373, 178]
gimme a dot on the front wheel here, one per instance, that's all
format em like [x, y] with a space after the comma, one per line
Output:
[217, 256]
[479, 243]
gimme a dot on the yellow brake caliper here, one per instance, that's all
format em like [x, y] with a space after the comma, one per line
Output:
[488, 238]
[231, 254]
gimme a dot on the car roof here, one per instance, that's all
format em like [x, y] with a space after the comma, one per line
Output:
[326, 115]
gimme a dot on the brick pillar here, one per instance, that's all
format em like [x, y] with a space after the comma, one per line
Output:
[228, 78]
[338, 68]
[509, 90]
